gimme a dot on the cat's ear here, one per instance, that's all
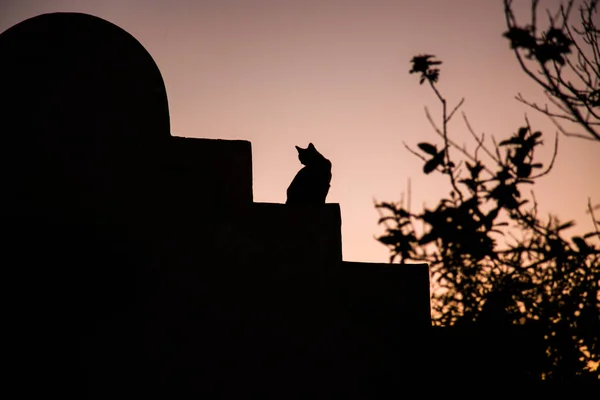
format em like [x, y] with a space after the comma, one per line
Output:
[299, 149]
[311, 146]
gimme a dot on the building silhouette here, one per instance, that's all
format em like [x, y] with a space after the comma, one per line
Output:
[138, 264]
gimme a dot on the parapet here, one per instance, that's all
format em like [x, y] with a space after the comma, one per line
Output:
[209, 172]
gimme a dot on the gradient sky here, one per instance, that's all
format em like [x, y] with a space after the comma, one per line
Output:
[281, 73]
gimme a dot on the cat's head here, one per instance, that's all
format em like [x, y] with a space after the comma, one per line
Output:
[309, 155]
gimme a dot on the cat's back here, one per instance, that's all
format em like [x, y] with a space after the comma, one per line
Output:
[311, 183]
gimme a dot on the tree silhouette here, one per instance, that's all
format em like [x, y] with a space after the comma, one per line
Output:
[564, 60]
[494, 262]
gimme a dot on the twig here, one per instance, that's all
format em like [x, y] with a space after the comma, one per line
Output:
[571, 134]
[414, 152]
[385, 222]
[456, 108]
[594, 222]
[446, 142]
[551, 161]
[432, 122]
[472, 131]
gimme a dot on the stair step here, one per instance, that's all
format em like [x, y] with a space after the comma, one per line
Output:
[210, 172]
[282, 235]
[401, 292]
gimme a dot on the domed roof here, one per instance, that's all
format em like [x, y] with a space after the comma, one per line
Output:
[73, 74]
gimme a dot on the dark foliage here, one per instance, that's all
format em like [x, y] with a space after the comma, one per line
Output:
[494, 261]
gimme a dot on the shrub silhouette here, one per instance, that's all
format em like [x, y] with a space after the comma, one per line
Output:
[494, 261]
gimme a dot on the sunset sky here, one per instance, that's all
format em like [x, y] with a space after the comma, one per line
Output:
[281, 73]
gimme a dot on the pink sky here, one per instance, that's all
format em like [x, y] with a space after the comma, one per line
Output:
[335, 73]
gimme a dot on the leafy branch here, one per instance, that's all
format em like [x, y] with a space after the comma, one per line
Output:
[493, 260]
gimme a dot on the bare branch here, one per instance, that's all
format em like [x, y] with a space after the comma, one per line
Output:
[571, 134]
[545, 109]
[430, 119]
[551, 52]
[479, 142]
[580, 51]
[460, 103]
[413, 152]
[594, 221]
[551, 161]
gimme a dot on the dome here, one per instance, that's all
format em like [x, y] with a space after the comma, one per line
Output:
[70, 74]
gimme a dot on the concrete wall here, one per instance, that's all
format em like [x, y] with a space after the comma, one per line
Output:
[209, 173]
[139, 265]
[396, 295]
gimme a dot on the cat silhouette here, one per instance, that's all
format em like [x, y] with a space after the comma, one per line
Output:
[311, 183]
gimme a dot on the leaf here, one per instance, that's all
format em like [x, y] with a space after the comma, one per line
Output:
[403, 213]
[388, 240]
[523, 131]
[489, 219]
[427, 238]
[422, 63]
[384, 219]
[434, 162]
[581, 244]
[403, 247]
[429, 217]
[433, 75]
[566, 225]
[503, 174]
[475, 169]
[512, 140]
[470, 183]
[591, 234]
[524, 170]
[520, 38]
[428, 148]
[387, 206]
